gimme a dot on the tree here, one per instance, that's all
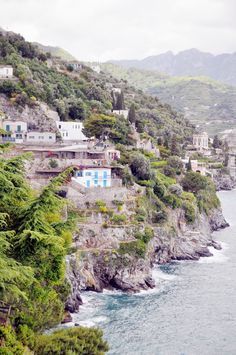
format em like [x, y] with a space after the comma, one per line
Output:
[99, 126]
[174, 148]
[195, 182]
[140, 167]
[119, 101]
[79, 340]
[132, 114]
[216, 142]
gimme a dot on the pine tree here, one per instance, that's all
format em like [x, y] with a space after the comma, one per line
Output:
[132, 114]
[120, 105]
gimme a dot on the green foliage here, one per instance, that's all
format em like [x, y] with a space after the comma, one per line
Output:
[119, 219]
[137, 248]
[9, 343]
[100, 203]
[189, 212]
[194, 182]
[86, 341]
[140, 166]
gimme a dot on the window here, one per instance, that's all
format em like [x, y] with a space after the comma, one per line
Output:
[104, 183]
[96, 175]
[50, 137]
[8, 128]
[88, 173]
[31, 137]
[79, 173]
[66, 134]
[88, 183]
[59, 126]
[95, 182]
[18, 128]
[105, 174]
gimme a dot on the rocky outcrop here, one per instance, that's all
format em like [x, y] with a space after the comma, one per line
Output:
[224, 182]
[39, 116]
[98, 268]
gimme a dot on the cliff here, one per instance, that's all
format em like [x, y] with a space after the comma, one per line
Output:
[109, 268]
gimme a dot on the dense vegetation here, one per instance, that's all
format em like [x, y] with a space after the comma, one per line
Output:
[34, 240]
[205, 102]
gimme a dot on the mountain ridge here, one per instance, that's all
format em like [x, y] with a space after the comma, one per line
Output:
[191, 62]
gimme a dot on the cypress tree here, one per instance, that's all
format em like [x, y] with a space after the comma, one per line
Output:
[132, 114]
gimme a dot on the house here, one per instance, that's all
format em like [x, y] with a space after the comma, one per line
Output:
[16, 130]
[6, 71]
[196, 166]
[40, 137]
[76, 66]
[93, 176]
[124, 113]
[96, 68]
[71, 131]
[146, 144]
[200, 141]
[112, 154]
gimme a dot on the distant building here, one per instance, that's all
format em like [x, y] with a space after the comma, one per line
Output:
[93, 177]
[200, 141]
[96, 68]
[147, 145]
[196, 166]
[6, 71]
[124, 113]
[116, 90]
[16, 130]
[76, 66]
[40, 137]
[71, 131]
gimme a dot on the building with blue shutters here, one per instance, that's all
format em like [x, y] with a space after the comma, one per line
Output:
[93, 177]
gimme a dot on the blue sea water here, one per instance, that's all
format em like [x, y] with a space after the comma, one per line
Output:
[191, 311]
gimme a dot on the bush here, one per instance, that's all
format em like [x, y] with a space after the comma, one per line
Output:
[140, 166]
[189, 212]
[119, 219]
[158, 164]
[136, 248]
[100, 203]
[9, 344]
[195, 182]
[176, 189]
[141, 214]
[75, 341]
[53, 163]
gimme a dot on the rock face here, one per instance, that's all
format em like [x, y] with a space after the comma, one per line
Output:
[99, 268]
[40, 114]
[224, 182]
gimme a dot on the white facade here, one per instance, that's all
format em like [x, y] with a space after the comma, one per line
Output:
[93, 177]
[124, 113]
[6, 71]
[71, 131]
[17, 130]
[200, 141]
[40, 137]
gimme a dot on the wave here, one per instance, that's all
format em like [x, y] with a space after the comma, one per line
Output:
[218, 255]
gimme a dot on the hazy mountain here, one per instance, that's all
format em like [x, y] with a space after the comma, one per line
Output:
[56, 52]
[191, 62]
[205, 102]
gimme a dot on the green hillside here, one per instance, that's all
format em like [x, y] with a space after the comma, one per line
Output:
[56, 52]
[205, 102]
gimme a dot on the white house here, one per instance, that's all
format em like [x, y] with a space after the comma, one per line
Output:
[93, 177]
[40, 137]
[124, 113]
[6, 71]
[71, 131]
[17, 130]
[200, 141]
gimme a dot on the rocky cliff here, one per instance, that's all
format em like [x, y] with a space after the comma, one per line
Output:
[99, 268]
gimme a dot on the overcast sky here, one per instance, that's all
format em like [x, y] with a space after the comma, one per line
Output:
[124, 29]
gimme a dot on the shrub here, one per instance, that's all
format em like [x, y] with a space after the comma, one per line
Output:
[119, 218]
[158, 164]
[9, 343]
[195, 182]
[100, 203]
[103, 209]
[189, 212]
[53, 163]
[136, 248]
[176, 189]
[141, 214]
[79, 340]
[140, 166]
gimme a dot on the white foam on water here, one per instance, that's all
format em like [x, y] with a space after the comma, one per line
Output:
[90, 322]
[218, 255]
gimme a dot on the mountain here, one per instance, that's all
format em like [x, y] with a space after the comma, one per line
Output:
[205, 102]
[56, 52]
[191, 62]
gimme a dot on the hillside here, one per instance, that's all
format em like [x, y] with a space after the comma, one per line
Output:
[56, 52]
[191, 62]
[205, 102]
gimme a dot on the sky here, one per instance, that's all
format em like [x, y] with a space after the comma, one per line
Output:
[99, 30]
